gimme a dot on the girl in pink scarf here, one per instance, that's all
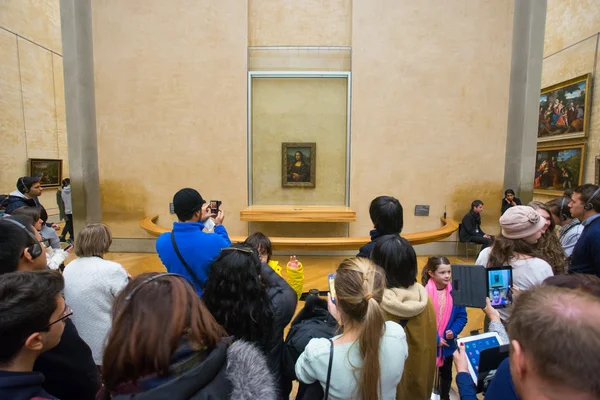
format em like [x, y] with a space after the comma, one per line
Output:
[437, 277]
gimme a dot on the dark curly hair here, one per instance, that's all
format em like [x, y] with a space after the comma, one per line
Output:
[237, 297]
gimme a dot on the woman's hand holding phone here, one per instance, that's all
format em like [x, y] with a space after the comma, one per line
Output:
[332, 308]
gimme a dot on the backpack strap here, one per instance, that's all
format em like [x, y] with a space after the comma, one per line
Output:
[329, 371]
[187, 267]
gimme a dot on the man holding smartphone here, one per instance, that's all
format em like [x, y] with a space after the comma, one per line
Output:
[188, 250]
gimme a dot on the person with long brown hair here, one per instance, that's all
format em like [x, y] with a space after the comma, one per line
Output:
[515, 246]
[164, 343]
[548, 246]
[368, 357]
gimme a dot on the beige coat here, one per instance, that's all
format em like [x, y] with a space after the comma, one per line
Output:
[413, 306]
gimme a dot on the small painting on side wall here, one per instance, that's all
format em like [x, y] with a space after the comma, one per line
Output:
[558, 169]
[564, 110]
[49, 171]
[298, 164]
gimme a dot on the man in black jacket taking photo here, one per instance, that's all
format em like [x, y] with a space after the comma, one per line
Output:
[470, 230]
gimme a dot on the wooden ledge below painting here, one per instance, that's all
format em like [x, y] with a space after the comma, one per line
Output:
[448, 227]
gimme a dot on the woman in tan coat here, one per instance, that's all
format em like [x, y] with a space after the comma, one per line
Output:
[406, 302]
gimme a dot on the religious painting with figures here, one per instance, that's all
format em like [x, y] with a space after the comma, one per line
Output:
[298, 164]
[564, 110]
[558, 169]
[49, 171]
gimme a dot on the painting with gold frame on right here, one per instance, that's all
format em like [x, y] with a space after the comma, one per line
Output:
[564, 110]
[558, 168]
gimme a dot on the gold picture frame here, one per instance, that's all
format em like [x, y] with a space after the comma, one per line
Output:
[298, 164]
[49, 171]
[560, 114]
[558, 168]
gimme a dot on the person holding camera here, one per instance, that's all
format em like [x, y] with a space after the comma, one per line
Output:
[188, 250]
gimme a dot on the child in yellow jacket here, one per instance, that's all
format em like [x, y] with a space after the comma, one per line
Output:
[294, 270]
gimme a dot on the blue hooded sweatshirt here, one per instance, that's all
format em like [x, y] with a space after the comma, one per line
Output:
[197, 248]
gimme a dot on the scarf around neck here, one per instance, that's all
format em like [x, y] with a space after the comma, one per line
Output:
[441, 319]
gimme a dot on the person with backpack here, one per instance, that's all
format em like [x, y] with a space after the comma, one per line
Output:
[366, 361]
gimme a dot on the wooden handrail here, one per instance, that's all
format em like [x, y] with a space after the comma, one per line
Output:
[330, 243]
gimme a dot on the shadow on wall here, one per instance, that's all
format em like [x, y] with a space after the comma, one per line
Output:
[490, 193]
[123, 206]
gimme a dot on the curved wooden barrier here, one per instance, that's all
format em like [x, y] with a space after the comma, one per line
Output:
[327, 243]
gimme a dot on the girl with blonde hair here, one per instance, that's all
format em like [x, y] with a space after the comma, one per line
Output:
[367, 360]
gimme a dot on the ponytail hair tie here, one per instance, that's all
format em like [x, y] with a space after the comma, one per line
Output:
[369, 297]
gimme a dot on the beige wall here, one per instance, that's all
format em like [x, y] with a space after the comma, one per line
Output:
[299, 110]
[429, 107]
[170, 107]
[429, 112]
[299, 23]
[568, 22]
[32, 110]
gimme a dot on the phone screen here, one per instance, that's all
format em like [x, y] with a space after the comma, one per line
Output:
[331, 279]
[500, 287]
[214, 206]
[474, 348]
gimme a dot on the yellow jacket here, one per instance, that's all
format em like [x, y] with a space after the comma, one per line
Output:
[294, 276]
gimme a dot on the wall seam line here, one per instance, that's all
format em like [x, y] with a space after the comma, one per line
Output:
[22, 98]
[55, 114]
[30, 41]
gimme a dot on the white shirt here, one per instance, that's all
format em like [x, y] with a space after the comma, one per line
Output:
[314, 361]
[527, 272]
[91, 286]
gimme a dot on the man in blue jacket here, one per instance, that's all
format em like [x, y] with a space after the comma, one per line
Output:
[585, 205]
[188, 250]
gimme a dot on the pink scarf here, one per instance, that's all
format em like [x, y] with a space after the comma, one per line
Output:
[442, 320]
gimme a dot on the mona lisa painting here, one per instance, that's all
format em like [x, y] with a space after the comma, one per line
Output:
[298, 164]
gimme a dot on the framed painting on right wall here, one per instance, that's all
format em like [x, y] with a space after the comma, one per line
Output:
[558, 168]
[564, 110]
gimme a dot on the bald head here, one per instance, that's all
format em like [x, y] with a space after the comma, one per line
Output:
[557, 337]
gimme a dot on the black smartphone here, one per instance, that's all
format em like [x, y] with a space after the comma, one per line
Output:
[69, 248]
[214, 206]
[499, 286]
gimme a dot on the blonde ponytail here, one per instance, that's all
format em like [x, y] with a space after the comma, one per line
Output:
[359, 285]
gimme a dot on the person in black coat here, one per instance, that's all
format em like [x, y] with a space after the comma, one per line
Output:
[69, 369]
[250, 301]
[509, 200]
[388, 218]
[470, 230]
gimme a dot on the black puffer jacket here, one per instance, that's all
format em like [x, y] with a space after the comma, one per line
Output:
[313, 321]
[284, 300]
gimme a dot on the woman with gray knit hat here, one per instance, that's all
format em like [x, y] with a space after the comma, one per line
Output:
[515, 246]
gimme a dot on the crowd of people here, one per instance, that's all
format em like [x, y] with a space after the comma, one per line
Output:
[212, 326]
